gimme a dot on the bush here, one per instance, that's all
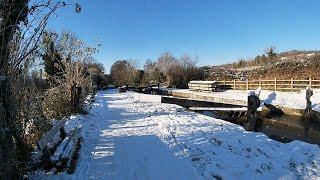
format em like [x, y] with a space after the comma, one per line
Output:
[30, 116]
[56, 103]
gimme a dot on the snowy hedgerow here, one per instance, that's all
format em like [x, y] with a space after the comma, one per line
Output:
[57, 103]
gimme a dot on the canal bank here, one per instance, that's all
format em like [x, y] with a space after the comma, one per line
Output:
[282, 124]
[290, 103]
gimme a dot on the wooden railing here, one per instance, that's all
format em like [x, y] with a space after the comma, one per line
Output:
[274, 84]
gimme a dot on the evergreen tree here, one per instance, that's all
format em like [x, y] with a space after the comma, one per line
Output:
[53, 66]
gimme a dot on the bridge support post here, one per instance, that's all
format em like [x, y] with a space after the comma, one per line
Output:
[309, 93]
[252, 106]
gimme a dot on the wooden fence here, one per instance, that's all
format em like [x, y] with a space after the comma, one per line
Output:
[274, 84]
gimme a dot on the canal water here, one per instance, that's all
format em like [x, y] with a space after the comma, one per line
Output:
[286, 128]
[283, 128]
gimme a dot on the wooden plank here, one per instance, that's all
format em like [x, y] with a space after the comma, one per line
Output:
[201, 85]
[205, 89]
[254, 81]
[70, 149]
[49, 135]
[283, 80]
[267, 84]
[247, 83]
[300, 87]
[260, 82]
[62, 133]
[226, 82]
[267, 80]
[73, 144]
[61, 148]
[203, 82]
[283, 84]
[254, 84]
[217, 109]
[304, 85]
[310, 82]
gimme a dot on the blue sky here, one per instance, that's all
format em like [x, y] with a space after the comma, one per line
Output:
[217, 31]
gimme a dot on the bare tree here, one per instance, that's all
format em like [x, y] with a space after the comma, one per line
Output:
[19, 37]
[74, 71]
[152, 74]
[165, 62]
[125, 72]
[188, 67]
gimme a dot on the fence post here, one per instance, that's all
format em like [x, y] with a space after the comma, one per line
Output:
[234, 84]
[224, 84]
[310, 82]
[260, 83]
[247, 84]
[291, 84]
[275, 84]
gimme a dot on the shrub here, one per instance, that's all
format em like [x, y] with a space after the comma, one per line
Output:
[56, 103]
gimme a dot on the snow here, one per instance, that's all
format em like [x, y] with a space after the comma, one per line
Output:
[61, 148]
[2, 78]
[126, 139]
[310, 55]
[202, 82]
[284, 58]
[295, 100]
[147, 97]
[247, 68]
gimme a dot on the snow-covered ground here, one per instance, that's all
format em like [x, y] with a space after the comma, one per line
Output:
[126, 139]
[296, 100]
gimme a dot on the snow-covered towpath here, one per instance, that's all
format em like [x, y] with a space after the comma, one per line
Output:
[116, 147]
[124, 139]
